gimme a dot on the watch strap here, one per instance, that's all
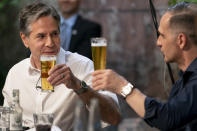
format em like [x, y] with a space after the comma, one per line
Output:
[83, 89]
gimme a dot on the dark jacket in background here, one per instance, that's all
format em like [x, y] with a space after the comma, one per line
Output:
[82, 31]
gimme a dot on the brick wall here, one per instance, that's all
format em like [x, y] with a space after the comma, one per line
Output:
[132, 51]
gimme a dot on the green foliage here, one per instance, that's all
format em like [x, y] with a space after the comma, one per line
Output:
[8, 18]
[4, 3]
[173, 2]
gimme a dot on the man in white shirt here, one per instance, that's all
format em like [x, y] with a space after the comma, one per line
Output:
[39, 31]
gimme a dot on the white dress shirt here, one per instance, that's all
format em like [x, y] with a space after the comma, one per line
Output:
[61, 102]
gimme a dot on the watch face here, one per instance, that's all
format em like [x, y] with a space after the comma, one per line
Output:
[83, 88]
[83, 84]
[127, 90]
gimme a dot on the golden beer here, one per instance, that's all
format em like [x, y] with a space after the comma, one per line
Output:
[47, 62]
[99, 50]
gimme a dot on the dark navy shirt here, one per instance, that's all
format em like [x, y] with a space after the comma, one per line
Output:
[180, 111]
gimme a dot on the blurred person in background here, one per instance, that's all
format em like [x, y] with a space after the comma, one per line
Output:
[39, 31]
[178, 43]
[76, 31]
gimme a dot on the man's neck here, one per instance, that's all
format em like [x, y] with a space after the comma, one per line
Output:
[188, 58]
[66, 16]
[35, 63]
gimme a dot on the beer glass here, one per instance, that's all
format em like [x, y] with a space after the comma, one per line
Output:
[43, 122]
[47, 62]
[99, 47]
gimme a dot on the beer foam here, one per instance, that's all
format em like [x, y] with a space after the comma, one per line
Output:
[47, 58]
[99, 44]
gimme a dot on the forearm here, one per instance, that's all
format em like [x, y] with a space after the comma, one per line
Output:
[136, 101]
[108, 108]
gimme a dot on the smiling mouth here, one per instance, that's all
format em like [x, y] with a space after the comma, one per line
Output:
[49, 53]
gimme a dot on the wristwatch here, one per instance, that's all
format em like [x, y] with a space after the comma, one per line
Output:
[126, 90]
[83, 89]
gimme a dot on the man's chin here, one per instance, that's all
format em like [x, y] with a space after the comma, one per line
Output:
[49, 53]
[168, 61]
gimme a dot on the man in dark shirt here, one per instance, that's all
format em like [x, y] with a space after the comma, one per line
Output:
[178, 43]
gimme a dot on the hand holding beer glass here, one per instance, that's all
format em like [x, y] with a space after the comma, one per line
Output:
[47, 62]
[99, 47]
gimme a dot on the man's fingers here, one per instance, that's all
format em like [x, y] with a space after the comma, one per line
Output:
[56, 68]
[57, 73]
[98, 72]
[97, 84]
[59, 82]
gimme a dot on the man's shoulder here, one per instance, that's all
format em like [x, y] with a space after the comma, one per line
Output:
[21, 64]
[20, 67]
[76, 58]
[80, 65]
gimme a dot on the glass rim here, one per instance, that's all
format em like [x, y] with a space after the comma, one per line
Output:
[98, 41]
[48, 57]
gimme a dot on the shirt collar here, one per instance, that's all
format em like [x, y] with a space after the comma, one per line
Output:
[69, 21]
[61, 57]
[191, 68]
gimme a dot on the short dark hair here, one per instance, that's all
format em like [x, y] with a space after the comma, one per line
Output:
[183, 19]
[179, 7]
[33, 12]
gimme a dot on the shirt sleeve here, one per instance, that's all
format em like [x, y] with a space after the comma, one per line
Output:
[174, 113]
[112, 95]
[7, 91]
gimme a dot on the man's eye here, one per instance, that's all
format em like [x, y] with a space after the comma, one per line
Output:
[40, 36]
[55, 34]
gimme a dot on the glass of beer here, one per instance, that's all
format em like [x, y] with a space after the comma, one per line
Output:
[99, 47]
[47, 62]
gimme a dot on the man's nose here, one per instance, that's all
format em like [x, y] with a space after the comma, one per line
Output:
[158, 43]
[49, 42]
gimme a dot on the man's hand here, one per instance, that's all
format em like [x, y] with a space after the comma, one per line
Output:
[108, 80]
[61, 74]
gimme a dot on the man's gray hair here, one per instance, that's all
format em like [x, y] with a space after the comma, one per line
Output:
[183, 19]
[33, 12]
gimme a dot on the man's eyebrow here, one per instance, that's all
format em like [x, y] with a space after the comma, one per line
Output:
[40, 34]
[160, 33]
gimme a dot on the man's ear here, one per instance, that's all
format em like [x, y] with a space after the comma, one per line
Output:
[182, 40]
[24, 39]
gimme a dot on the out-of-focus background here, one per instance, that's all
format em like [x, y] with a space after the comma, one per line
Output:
[128, 27]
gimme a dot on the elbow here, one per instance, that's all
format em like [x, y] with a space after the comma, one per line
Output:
[113, 119]
[116, 119]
